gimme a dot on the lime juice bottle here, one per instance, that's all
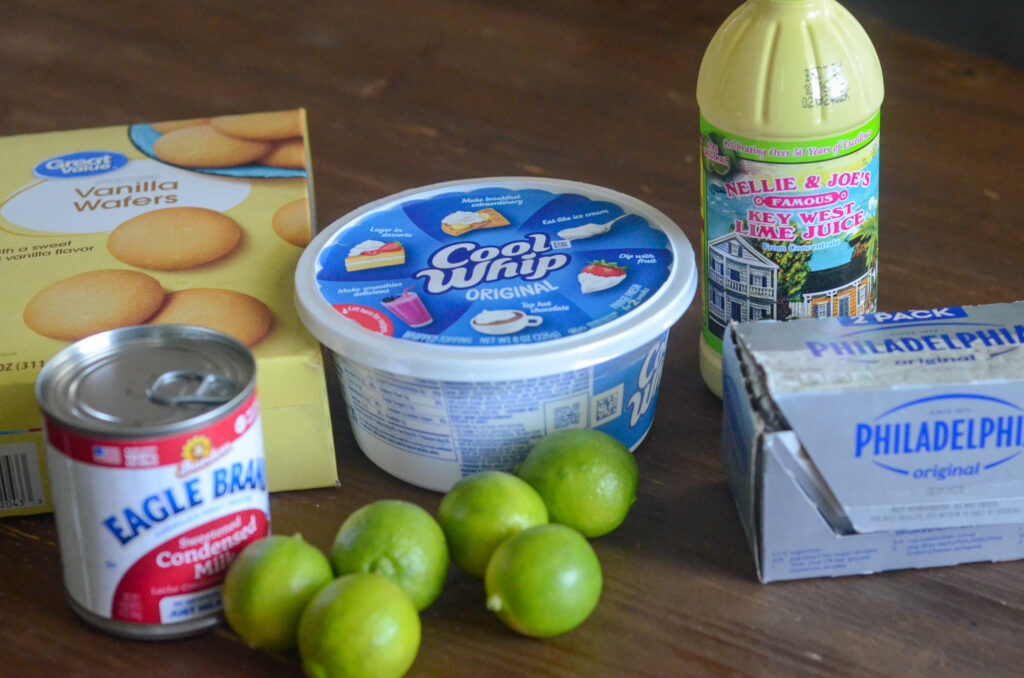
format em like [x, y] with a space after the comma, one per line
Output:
[789, 94]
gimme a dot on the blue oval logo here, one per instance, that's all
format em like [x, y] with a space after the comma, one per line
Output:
[980, 431]
[81, 164]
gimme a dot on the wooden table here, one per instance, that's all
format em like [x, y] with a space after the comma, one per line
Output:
[403, 94]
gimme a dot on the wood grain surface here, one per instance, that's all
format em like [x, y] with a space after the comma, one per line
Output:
[402, 94]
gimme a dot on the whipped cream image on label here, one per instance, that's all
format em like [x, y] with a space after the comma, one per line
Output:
[364, 247]
[462, 218]
[596, 283]
[598, 276]
[585, 231]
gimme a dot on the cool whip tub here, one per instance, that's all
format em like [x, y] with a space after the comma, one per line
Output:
[469, 319]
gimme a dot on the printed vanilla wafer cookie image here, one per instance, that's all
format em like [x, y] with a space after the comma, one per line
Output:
[95, 301]
[204, 146]
[271, 144]
[174, 238]
[171, 125]
[293, 223]
[236, 314]
[273, 126]
[288, 153]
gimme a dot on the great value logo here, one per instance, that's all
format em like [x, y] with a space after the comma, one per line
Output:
[81, 164]
[944, 436]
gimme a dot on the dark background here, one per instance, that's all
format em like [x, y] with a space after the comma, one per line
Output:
[990, 27]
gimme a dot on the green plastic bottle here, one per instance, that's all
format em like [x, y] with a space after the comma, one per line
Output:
[789, 94]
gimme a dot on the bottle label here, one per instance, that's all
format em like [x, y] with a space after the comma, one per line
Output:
[790, 228]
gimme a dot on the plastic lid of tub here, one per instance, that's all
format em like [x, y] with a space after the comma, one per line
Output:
[492, 279]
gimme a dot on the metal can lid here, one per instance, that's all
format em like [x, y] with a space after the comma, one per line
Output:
[145, 380]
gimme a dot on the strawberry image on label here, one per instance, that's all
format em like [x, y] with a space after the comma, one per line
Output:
[600, 275]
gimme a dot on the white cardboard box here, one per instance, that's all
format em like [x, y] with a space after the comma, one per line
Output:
[879, 442]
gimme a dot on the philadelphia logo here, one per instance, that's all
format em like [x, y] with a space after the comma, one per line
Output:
[81, 164]
[943, 436]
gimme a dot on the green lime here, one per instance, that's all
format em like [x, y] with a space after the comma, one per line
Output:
[723, 162]
[543, 581]
[359, 626]
[268, 585]
[398, 540]
[484, 509]
[587, 479]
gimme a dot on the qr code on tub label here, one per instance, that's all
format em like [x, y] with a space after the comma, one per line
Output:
[563, 414]
[606, 405]
[567, 416]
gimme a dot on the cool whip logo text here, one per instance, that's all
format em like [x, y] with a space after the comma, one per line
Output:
[647, 384]
[82, 164]
[463, 265]
[131, 521]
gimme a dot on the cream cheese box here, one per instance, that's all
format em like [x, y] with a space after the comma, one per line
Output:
[877, 442]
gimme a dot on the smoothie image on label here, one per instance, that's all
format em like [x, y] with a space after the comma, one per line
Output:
[789, 93]
[409, 308]
[529, 330]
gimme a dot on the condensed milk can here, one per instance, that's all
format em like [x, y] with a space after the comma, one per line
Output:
[155, 454]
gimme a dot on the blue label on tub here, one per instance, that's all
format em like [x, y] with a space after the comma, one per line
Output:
[493, 267]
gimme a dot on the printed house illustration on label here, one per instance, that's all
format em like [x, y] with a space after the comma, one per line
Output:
[743, 285]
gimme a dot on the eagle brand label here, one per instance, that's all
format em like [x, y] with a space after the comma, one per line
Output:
[152, 525]
[157, 522]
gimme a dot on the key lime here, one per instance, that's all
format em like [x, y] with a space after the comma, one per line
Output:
[481, 511]
[268, 585]
[543, 581]
[398, 540]
[587, 479]
[359, 626]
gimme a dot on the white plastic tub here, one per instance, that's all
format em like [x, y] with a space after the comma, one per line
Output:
[469, 319]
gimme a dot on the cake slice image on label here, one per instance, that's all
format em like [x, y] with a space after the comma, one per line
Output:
[600, 275]
[374, 254]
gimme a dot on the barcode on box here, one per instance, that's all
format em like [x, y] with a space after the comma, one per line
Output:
[21, 483]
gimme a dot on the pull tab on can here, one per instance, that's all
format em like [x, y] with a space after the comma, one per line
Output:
[192, 387]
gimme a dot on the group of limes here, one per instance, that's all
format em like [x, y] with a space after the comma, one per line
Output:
[355, 614]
